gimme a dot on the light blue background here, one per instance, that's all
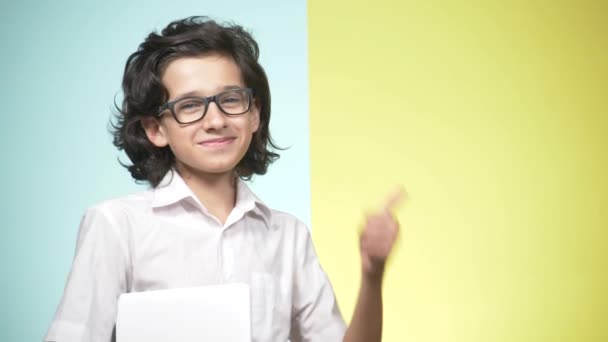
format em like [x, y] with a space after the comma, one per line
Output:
[60, 68]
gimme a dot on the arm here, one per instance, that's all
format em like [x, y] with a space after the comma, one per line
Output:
[366, 324]
[376, 243]
[87, 310]
[315, 313]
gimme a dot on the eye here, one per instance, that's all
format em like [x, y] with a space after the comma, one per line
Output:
[189, 105]
[231, 99]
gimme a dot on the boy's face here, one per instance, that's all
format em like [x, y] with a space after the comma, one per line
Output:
[215, 144]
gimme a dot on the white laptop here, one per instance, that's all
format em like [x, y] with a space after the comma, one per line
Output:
[209, 313]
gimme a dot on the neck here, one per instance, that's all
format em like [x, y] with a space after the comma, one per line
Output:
[217, 192]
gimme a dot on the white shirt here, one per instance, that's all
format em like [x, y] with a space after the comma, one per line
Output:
[165, 238]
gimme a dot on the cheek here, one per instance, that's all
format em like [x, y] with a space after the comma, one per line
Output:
[179, 139]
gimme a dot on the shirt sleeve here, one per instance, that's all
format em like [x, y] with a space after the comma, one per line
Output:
[316, 316]
[87, 311]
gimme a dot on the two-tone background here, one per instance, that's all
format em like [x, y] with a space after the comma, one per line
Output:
[493, 115]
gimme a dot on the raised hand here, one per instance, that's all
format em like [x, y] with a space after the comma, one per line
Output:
[379, 236]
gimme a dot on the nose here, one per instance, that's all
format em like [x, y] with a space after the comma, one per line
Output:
[214, 118]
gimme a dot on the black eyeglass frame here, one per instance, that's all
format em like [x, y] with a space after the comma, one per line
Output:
[207, 100]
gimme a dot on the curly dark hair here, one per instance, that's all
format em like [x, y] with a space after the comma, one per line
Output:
[144, 93]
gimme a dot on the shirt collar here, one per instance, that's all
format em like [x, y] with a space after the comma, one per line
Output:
[246, 201]
[173, 189]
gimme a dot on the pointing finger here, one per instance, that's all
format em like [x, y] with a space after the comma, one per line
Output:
[395, 198]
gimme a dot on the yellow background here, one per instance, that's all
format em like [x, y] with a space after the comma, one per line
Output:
[494, 116]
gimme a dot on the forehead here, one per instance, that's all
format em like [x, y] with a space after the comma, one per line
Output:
[204, 75]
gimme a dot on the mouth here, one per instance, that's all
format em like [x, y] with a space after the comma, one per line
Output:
[217, 142]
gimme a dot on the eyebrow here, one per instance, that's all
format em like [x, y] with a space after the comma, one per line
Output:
[198, 93]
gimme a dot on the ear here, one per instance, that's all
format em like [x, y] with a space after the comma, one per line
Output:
[255, 116]
[154, 131]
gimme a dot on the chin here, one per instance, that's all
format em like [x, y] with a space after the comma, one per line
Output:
[220, 163]
[214, 164]
[219, 168]
[217, 171]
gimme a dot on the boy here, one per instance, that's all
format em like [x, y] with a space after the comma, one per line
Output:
[194, 123]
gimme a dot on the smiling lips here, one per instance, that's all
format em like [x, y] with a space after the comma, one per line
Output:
[218, 142]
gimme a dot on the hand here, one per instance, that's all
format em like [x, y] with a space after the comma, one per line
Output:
[378, 237]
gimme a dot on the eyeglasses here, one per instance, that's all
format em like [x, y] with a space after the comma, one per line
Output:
[193, 108]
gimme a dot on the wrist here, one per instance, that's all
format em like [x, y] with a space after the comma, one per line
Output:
[375, 275]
